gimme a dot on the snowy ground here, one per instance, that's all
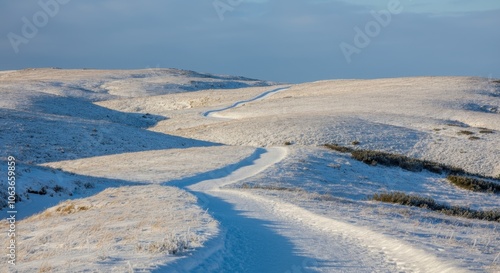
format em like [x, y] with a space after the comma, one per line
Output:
[116, 230]
[336, 186]
[163, 157]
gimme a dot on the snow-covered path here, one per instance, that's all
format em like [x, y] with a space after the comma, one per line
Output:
[213, 113]
[261, 235]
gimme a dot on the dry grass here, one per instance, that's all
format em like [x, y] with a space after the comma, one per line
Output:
[45, 268]
[140, 221]
[70, 207]
[171, 244]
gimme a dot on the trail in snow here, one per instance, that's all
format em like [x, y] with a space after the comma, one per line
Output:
[239, 103]
[396, 252]
[260, 235]
[266, 157]
[255, 239]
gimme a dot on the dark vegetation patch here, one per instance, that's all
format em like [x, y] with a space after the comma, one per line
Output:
[486, 131]
[474, 184]
[429, 203]
[339, 148]
[374, 158]
[465, 132]
[371, 157]
[404, 162]
[474, 138]
[58, 188]
[42, 191]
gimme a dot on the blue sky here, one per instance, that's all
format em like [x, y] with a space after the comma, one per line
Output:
[281, 40]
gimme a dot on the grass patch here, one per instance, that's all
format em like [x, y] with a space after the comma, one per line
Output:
[402, 161]
[170, 246]
[42, 191]
[374, 158]
[89, 185]
[70, 208]
[339, 148]
[397, 160]
[371, 157]
[429, 203]
[474, 184]
[58, 188]
[465, 132]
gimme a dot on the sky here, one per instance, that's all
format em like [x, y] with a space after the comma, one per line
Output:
[280, 40]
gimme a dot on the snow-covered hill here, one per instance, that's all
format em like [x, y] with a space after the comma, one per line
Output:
[231, 172]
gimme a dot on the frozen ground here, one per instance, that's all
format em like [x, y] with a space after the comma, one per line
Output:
[116, 230]
[163, 157]
[335, 186]
[415, 116]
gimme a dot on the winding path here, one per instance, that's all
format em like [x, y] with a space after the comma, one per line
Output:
[262, 235]
[212, 113]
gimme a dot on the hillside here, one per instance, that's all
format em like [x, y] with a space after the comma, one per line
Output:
[193, 172]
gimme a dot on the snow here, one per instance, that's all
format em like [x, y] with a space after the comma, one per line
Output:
[116, 230]
[335, 186]
[107, 84]
[213, 113]
[155, 166]
[398, 115]
[160, 159]
[57, 184]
